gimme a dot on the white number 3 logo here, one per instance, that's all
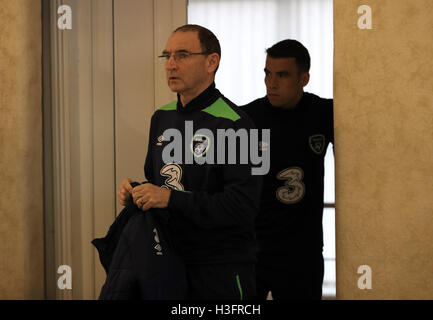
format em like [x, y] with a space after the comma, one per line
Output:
[293, 189]
[173, 172]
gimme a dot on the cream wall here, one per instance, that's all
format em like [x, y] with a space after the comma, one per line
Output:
[21, 219]
[383, 89]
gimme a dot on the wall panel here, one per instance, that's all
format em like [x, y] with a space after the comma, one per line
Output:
[384, 155]
[21, 206]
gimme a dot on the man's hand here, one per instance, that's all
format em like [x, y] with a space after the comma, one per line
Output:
[148, 196]
[124, 191]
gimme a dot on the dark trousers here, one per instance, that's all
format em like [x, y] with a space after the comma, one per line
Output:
[221, 282]
[300, 279]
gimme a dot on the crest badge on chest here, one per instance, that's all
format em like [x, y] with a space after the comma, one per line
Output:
[200, 145]
[317, 143]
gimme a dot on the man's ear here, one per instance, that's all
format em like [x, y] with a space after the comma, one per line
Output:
[305, 78]
[213, 62]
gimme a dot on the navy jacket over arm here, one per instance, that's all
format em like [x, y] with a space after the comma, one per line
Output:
[138, 255]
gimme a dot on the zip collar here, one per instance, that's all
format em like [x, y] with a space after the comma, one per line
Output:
[203, 100]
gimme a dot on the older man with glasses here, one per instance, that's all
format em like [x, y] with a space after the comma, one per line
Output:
[212, 206]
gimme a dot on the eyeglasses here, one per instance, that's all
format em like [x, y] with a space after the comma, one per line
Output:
[180, 55]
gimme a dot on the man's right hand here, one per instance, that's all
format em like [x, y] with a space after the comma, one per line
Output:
[124, 192]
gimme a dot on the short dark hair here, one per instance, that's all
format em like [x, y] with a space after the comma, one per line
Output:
[291, 49]
[208, 41]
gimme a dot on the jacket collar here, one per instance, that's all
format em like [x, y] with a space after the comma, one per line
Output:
[299, 108]
[203, 100]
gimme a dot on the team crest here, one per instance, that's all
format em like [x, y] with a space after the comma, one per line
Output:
[317, 143]
[200, 145]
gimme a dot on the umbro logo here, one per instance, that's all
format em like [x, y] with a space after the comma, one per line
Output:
[158, 246]
[263, 146]
[159, 140]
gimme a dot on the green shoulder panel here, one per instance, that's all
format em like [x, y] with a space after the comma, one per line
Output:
[221, 109]
[171, 106]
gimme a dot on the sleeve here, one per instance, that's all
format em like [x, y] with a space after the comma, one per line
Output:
[148, 165]
[330, 109]
[237, 204]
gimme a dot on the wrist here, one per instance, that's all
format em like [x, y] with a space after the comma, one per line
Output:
[167, 197]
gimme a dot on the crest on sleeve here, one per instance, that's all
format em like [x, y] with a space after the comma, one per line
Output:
[317, 143]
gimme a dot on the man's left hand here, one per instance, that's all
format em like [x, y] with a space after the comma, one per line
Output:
[147, 196]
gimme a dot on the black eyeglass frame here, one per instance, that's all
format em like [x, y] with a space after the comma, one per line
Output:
[167, 56]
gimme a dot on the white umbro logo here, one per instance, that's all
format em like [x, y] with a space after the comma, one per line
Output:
[158, 246]
[159, 140]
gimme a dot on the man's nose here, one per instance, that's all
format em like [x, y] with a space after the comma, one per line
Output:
[171, 63]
